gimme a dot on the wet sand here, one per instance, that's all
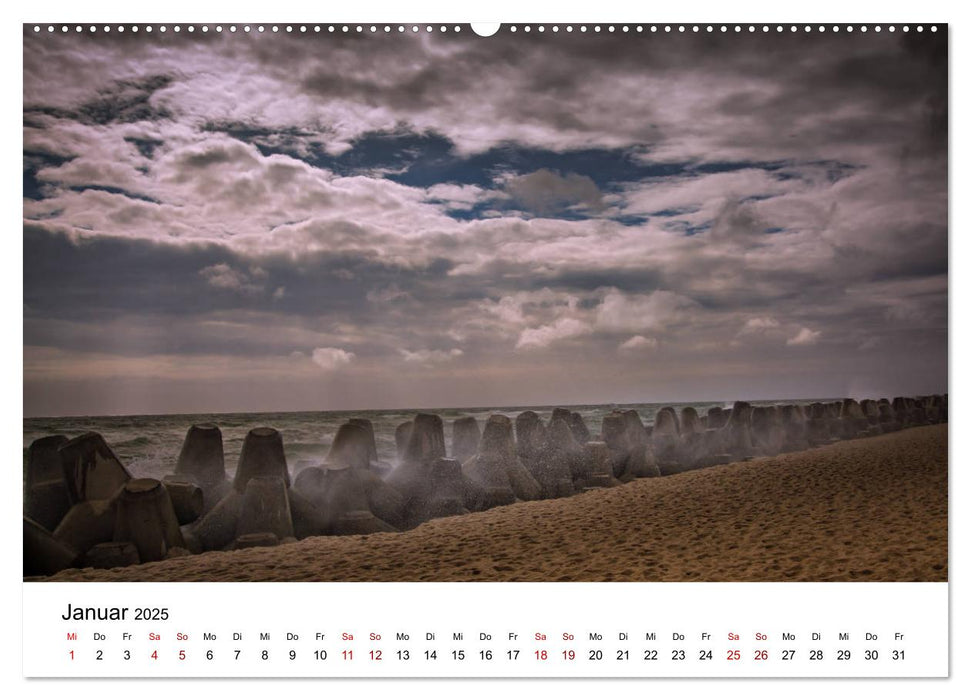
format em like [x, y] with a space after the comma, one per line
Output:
[873, 509]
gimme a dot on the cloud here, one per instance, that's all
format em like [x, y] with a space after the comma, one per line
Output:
[736, 220]
[387, 294]
[543, 336]
[545, 191]
[328, 100]
[249, 195]
[687, 193]
[222, 276]
[804, 337]
[639, 312]
[508, 309]
[431, 356]
[637, 343]
[760, 323]
[460, 196]
[520, 307]
[330, 359]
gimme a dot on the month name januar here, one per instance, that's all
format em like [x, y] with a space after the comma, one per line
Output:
[76, 613]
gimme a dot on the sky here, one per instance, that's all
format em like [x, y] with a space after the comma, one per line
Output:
[271, 222]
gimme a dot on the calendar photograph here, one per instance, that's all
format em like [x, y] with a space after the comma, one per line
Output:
[407, 303]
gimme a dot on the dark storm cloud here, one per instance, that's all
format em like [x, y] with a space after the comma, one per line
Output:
[537, 81]
[105, 276]
[123, 101]
[145, 146]
[571, 216]
[33, 162]
[546, 192]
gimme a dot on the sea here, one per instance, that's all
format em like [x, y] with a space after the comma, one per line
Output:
[149, 445]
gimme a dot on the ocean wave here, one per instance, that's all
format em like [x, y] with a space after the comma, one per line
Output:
[140, 441]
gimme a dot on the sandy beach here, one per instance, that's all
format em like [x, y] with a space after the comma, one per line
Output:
[872, 509]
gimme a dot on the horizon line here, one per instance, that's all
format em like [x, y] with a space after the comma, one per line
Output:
[447, 408]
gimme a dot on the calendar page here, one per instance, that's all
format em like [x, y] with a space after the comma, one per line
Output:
[515, 350]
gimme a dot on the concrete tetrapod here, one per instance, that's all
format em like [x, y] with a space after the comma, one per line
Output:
[497, 468]
[888, 419]
[346, 502]
[690, 422]
[46, 495]
[374, 463]
[351, 449]
[446, 495]
[339, 494]
[201, 458]
[402, 434]
[666, 438]
[91, 469]
[403, 501]
[202, 462]
[796, 425]
[465, 438]
[768, 435]
[820, 427]
[853, 422]
[88, 523]
[262, 455]
[613, 430]
[871, 411]
[600, 472]
[384, 500]
[903, 410]
[308, 520]
[738, 431]
[694, 448]
[566, 450]
[43, 553]
[310, 487]
[187, 498]
[145, 517]
[372, 445]
[641, 461]
[217, 528]
[530, 436]
[426, 443]
[579, 428]
[265, 508]
[534, 451]
[716, 418]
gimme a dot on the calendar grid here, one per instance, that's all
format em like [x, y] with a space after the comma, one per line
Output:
[486, 630]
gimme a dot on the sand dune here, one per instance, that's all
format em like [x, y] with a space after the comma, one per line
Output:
[873, 509]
